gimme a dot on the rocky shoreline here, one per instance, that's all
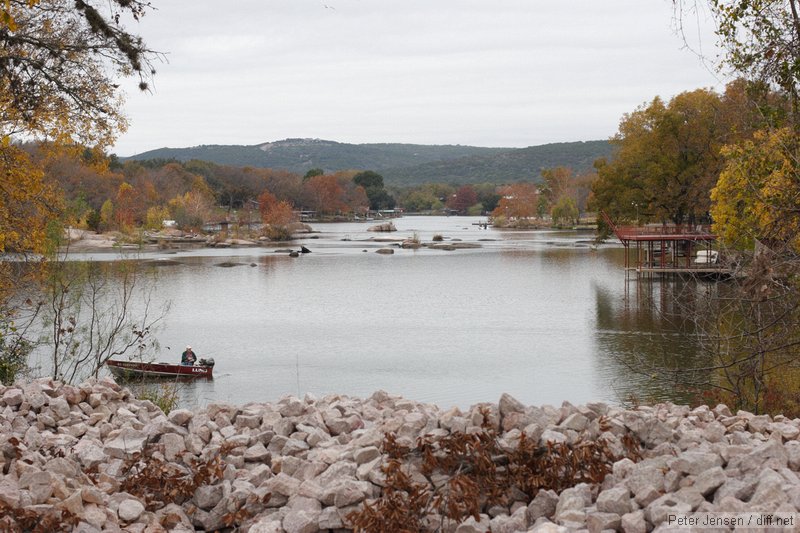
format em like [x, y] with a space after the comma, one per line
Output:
[88, 241]
[94, 458]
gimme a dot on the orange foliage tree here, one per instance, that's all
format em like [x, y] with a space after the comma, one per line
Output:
[518, 201]
[129, 206]
[325, 194]
[275, 212]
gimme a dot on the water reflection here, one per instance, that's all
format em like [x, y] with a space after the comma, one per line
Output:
[651, 326]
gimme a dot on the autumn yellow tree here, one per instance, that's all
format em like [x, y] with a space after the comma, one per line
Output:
[666, 160]
[757, 191]
[24, 209]
[757, 196]
[156, 215]
[565, 212]
[26, 205]
[748, 326]
[59, 61]
[192, 209]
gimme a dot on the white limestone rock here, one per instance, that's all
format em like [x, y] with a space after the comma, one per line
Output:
[616, 500]
[129, 510]
[695, 462]
[127, 443]
[709, 481]
[13, 397]
[598, 522]
[257, 453]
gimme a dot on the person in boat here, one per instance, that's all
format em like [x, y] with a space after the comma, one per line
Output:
[188, 357]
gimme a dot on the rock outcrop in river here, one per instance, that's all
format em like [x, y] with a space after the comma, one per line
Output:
[94, 458]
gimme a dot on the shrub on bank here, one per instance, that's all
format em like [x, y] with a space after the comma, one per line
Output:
[277, 233]
[162, 395]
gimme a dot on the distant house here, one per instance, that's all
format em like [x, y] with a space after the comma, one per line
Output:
[388, 213]
[216, 227]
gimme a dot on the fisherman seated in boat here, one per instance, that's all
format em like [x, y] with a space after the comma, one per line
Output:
[188, 357]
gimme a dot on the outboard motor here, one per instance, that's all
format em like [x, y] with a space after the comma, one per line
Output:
[206, 362]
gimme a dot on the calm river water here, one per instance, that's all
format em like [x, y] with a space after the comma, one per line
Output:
[541, 315]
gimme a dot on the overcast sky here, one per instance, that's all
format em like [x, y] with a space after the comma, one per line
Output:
[479, 72]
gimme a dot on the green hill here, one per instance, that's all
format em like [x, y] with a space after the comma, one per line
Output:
[301, 155]
[400, 164]
[505, 167]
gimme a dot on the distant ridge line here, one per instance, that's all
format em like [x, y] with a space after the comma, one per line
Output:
[400, 163]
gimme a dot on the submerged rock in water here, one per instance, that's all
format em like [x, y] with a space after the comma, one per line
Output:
[386, 226]
[454, 246]
[161, 261]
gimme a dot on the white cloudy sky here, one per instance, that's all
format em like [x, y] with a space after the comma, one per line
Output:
[481, 72]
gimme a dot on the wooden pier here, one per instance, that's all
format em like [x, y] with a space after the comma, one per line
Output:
[669, 249]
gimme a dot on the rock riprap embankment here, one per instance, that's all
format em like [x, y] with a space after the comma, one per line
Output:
[301, 465]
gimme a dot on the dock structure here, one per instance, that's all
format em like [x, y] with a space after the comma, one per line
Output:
[668, 249]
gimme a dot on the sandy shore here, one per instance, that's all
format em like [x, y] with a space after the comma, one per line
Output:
[80, 240]
[89, 241]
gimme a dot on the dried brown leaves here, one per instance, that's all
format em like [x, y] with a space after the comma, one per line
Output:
[463, 474]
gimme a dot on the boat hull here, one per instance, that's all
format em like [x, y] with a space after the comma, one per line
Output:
[133, 369]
